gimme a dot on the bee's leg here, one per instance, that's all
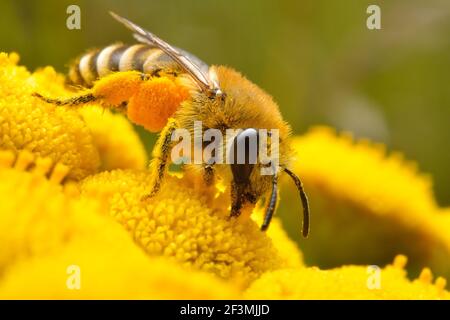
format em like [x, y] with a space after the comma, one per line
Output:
[236, 200]
[160, 159]
[208, 174]
[74, 101]
[155, 72]
[271, 204]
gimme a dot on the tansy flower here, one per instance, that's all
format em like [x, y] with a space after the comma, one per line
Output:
[26, 123]
[347, 282]
[191, 225]
[37, 217]
[111, 133]
[117, 142]
[84, 143]
[109, 270]
[45, 228]
[367, 206]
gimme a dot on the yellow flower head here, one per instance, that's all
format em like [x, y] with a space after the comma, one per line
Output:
[373, 206]
[112, 135]
[37, 217]
[109, 270]
[29, 124]
[348, 282]
[83, 143]
[191, 225]
[48, 229]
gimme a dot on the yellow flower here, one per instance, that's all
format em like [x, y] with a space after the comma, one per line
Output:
[109, 271]
[347, 282]
[84, 144]
[191, 225]
[371, 205]
[29, 124]
[37, 217]
[48, 228]
[113, 134]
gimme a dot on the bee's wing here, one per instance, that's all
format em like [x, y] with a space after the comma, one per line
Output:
[203, 66]
[196, 72]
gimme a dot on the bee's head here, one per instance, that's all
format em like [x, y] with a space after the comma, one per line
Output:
[248, 185]
[258, 155]
[255, 173]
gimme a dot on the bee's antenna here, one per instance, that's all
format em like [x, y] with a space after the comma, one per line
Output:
[299, 185]
[272, 203]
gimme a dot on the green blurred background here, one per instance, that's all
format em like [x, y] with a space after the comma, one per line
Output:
[317, 58]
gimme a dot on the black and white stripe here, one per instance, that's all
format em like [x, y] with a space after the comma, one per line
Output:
[119, 57]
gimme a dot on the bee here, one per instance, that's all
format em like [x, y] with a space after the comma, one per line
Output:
[165, 88]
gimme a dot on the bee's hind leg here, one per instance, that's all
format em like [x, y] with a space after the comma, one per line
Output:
[161, 151]
[74, 101]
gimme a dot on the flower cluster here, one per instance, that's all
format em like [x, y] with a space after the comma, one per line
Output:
[376, 204]
[347, 282]
[71, 188]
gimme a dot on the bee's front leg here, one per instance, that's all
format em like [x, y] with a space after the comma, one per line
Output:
[237, 200]
[208, 174]
[161, 151]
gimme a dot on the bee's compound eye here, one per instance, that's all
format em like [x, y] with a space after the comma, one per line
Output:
[244, 154]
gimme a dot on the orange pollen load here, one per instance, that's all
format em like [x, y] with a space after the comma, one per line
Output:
[155, 102]
[118, 87]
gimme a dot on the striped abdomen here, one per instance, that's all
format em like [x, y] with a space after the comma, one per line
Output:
[119, 57]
